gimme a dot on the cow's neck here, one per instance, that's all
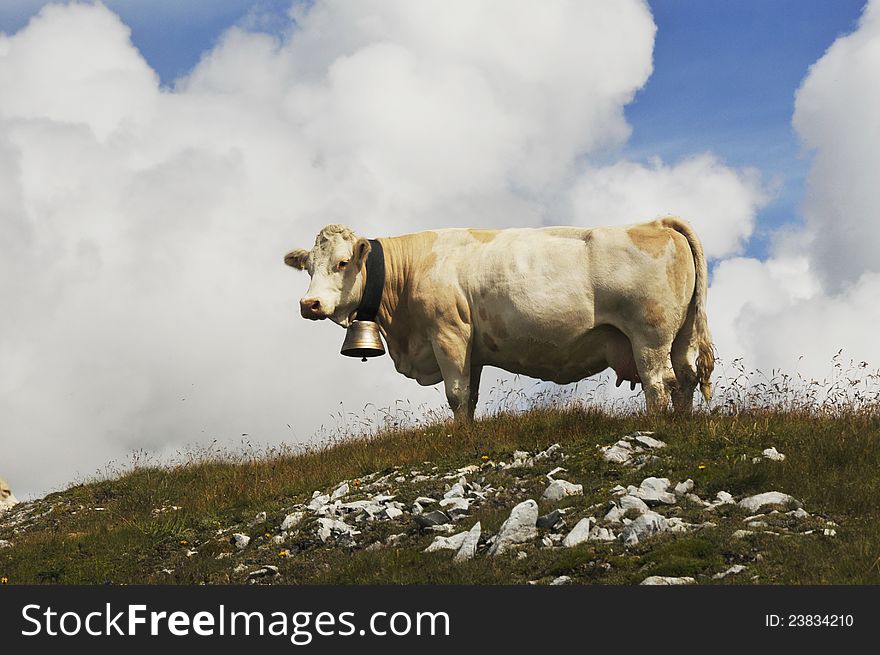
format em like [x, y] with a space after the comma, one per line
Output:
[399, 264]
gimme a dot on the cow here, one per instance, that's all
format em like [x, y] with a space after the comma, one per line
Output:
[555, 303]
[7, 498]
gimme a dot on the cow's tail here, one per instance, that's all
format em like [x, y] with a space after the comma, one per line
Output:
[701, 338]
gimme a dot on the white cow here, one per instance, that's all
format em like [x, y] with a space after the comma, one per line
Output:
[7, 498]
[555, 303]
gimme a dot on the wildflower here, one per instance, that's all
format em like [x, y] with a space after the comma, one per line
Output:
[356, 483]
[485, 458]
[4, 580]
[268, 535]
[701, 466]
[184, 542]
[284, 553]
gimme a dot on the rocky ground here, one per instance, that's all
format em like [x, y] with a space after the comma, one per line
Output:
[436, 511]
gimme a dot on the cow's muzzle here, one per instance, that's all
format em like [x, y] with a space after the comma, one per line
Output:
[312, 308]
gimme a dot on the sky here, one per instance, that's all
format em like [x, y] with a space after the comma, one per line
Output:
[157, 159]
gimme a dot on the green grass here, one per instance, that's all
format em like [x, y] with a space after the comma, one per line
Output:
[832, 466]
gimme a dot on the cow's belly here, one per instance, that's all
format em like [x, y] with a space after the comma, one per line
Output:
[414, 357]
[561, 358]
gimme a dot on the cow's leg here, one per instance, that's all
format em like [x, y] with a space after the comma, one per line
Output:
[476, 372]
[655, 371]
[685, 375]
[452, 351]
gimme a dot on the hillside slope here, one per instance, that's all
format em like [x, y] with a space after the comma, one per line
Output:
[364, 510]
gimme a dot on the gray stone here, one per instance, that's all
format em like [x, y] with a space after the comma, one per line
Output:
[292, 520]
[330, 526]
[644, 526]
[468, 547]
[240, 540]
[456, 504]
[649, 442]
[579, 534]
[756, 502]
[447, 543]
[549, 452]
[4, 543]
[799, 513]
[601, 534]
[559, 489]
[339, 491]
[547, 521]
[457, 491]
[723, 498]
[742, 534]
[632, 502]
[675, 524]
[772, 453]
[666, 580]
[518, 528]
[615, 514]
[318, 501]
[424, 500]
[733, 570]
[619, 453]
[433, 518]
[561, 580]
[685, 487]
[393, 512]
[267, 571]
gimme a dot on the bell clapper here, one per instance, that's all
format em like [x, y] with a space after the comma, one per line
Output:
[364, 359]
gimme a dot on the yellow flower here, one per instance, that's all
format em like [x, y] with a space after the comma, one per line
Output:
[485, 458]
[284, 553]
[701, 466]
[267, 535]
[183, 542]
[4, 580]
[356, 483]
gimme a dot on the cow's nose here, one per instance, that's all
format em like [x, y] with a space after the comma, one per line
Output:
[311, 307]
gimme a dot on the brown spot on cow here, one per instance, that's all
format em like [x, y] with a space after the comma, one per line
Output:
[655, 315]
[498, 326]
[483, 236]
[651, 239]
[490, 342]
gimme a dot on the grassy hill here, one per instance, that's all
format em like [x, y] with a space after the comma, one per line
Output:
[175, 524]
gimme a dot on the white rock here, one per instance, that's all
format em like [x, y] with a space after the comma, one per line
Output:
[694, 498]
[291, 520]
[518, 528]
[615, 514]
[460, 504]
[424, 500]
[264, 572]
[723, 498]
[617, 489]
[339, 491]
[829, 532]
[240, 540]
[685, 487]
[561, 580]
[521, 554]
[742, 534]
[457, 491]
[601, 534]
[733, 570]
[383, 498]
[393, 512]
[558, 469]
[666, 580]
[579, 534]
[259, 518]
[468, 547]
[559, 489]
[318, 501]
[653, 491]
[632, 502]
[650, 442]
[5, 544]
[756, 502]
[329, 526]
[772, 453]
[644, 526]
[675, 524]
[549, 452]
[799, 513]
[447, 543]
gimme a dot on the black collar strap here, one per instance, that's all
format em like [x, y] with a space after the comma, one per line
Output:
[375, 271]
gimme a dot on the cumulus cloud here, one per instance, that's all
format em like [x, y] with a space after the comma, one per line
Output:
[817, 293]
[142, 228]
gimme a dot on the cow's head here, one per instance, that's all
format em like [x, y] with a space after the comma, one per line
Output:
[336, 266]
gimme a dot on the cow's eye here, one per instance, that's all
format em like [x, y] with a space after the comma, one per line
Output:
[343, 263]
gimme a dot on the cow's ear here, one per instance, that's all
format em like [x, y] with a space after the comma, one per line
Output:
[360, 252]
[298, 258]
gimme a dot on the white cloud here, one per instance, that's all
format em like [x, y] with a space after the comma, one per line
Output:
[721, 203]
[142, 229]
[817, 293]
